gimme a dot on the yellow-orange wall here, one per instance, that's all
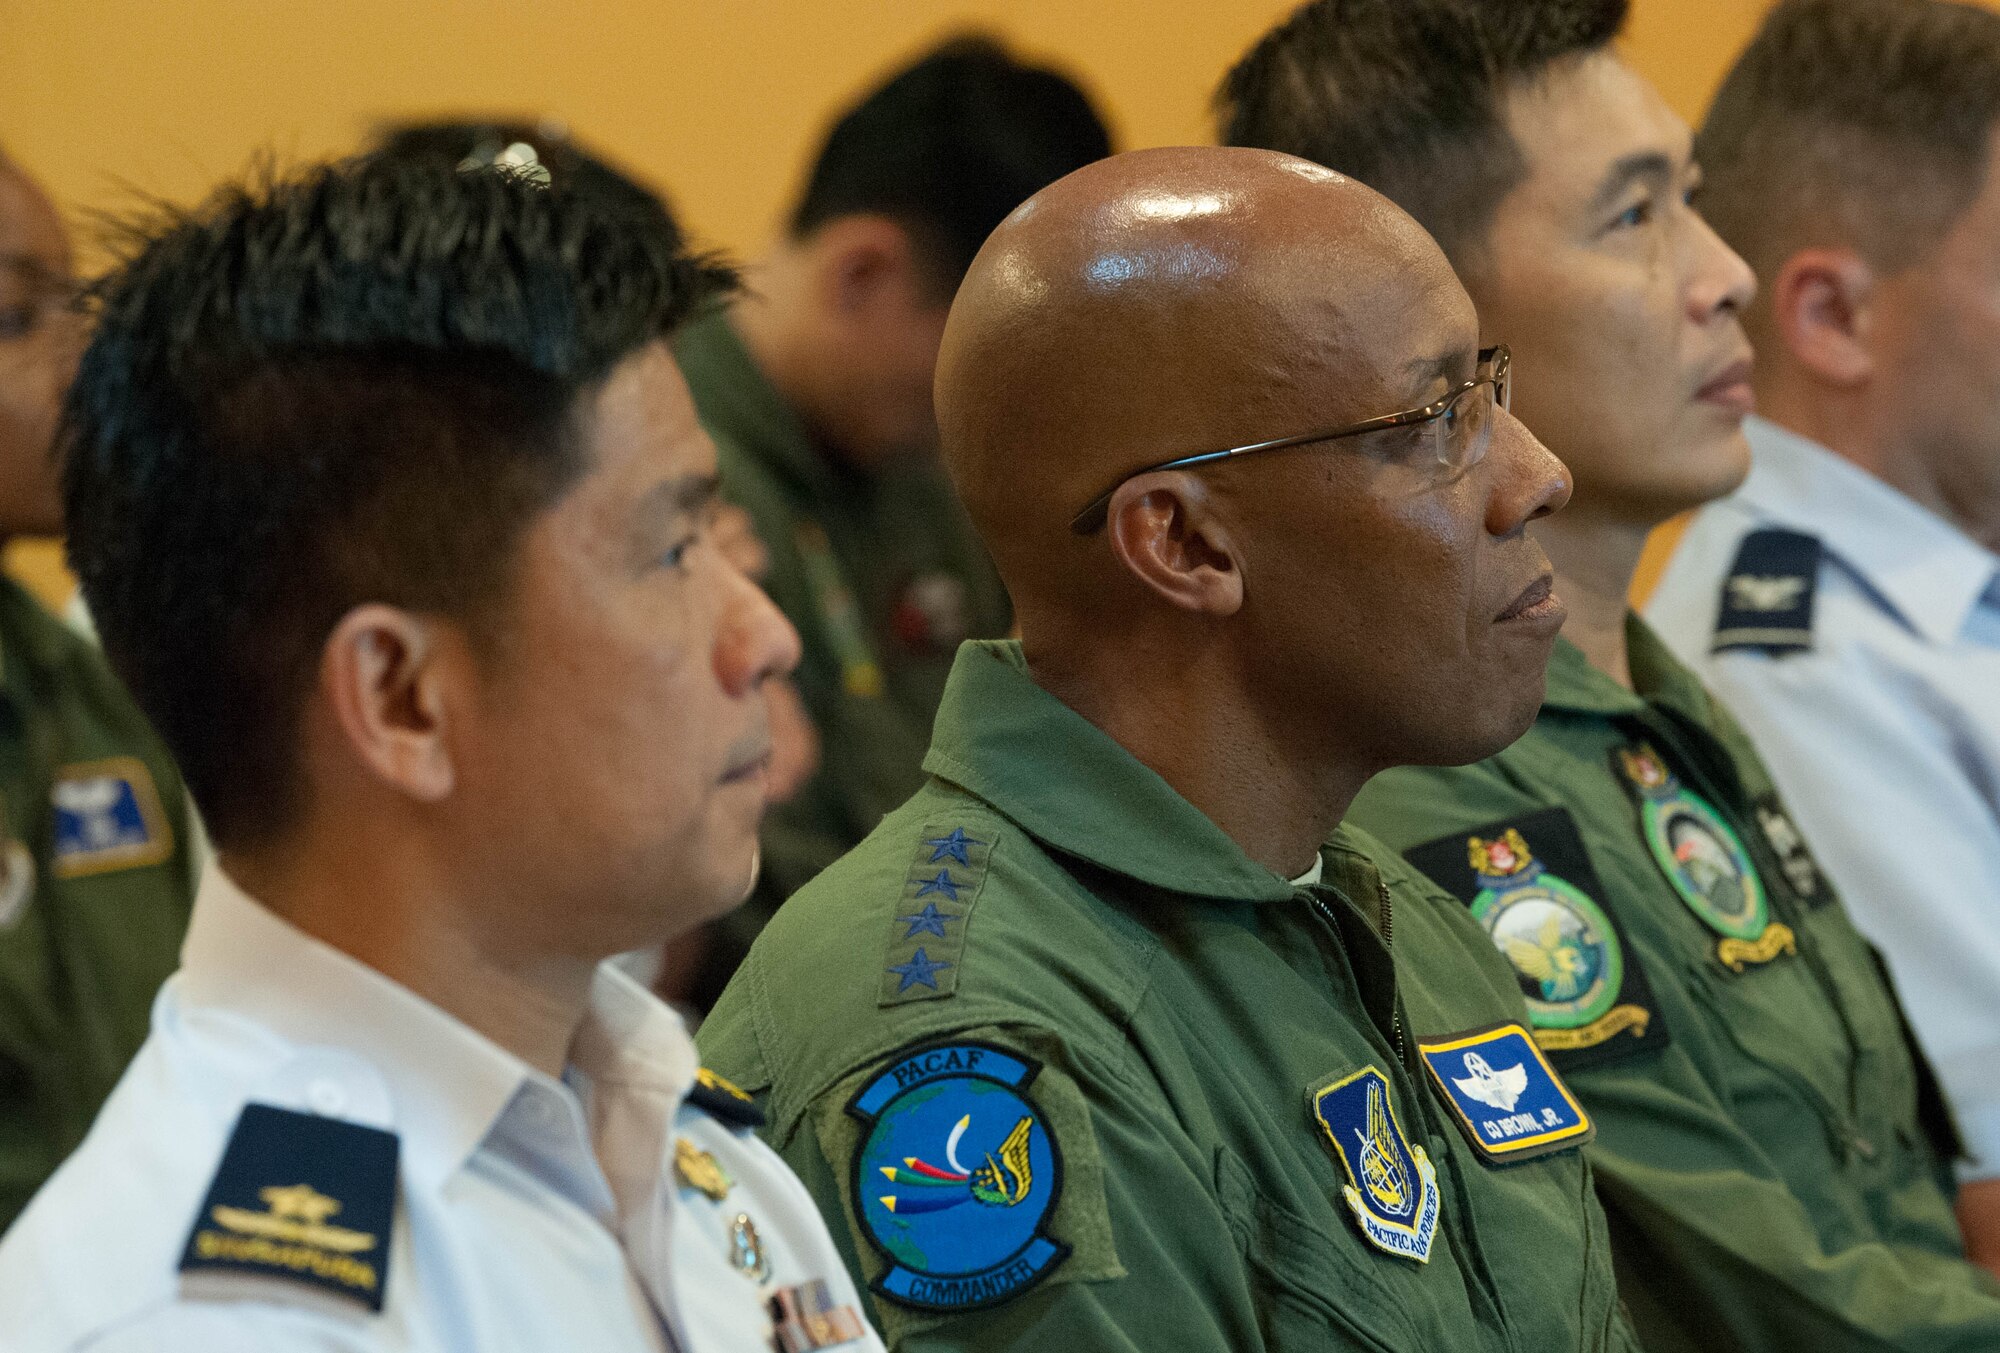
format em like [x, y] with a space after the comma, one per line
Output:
[717, 101]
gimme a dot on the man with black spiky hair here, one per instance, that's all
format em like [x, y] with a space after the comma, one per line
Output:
[393, 510]
[1770, 1149]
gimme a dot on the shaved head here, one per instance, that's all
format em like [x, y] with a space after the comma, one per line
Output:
[1340, 605]
[1166, 302]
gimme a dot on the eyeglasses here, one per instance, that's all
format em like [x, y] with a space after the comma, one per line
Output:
[1459, 429]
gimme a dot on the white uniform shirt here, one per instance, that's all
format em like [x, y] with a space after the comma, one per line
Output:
[1883, 734]
[529, 1213]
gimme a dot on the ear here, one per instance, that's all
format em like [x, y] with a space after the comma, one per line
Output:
[1820, 308]
[1164, 528]
[861, 261]
[383, 671]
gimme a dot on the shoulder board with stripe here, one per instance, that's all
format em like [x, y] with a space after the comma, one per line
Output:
[1767, 599]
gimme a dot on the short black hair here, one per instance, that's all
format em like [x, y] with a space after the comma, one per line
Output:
[1408, 96]
[948, 146]
[354, 383]
[1865, 123]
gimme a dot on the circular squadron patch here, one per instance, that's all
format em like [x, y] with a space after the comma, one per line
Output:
[956, 1177]
[1705, 861]
[1562, 946]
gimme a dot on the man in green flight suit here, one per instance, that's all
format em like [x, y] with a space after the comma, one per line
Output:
[816, 385]
[95, 875]
[1771, 1150]
[1091, 1044]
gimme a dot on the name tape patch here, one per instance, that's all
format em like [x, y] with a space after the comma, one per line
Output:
[1504, 1093]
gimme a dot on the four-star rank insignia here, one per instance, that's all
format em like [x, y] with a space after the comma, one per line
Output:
[927, 930]
[1529, 883]
[301, 1199]
[957, 1177]
[1505, 1095]
[1391, 1184]
[1705, 861]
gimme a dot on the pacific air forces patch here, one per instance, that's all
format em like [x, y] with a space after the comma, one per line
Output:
[301, 1199]
[957, 1176]
[1531, 887]
[1391, 1185]
[1705, 861]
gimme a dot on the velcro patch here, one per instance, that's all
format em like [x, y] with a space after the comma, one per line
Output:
[300, 1198]
[956, 1177]
[107, 816]
[1392, 1186]
[1531, 887]
[927, 933]
[1503, 1092]
[1767, 599]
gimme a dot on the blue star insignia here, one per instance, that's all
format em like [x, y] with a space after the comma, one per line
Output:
[951, 847]
[943, 883]
[929, 919]
[919, 970]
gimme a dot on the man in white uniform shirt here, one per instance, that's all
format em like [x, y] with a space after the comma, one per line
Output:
[1845, 604]
[394, 513]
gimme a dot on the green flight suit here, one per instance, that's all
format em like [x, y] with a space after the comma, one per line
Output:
[1770, 1149]
[883, 576]
[1168, 1018]
[95, 888]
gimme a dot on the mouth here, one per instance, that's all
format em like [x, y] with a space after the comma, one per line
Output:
[1537, 605]
[1730, 389]
[748, 760]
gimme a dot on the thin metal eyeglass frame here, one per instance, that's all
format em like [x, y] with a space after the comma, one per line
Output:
[1091, 519]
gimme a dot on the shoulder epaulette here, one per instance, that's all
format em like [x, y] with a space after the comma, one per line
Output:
[719, 1099]
[1767, 599]
[302, 1199]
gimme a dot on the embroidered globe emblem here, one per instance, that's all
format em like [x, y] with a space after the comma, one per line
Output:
[1561, 946]
[956, 1177]
[1707, 865]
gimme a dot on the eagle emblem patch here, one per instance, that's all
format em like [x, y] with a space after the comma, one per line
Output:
[1505, 1094]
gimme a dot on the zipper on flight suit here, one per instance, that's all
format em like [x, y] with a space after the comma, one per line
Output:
[1388, 943]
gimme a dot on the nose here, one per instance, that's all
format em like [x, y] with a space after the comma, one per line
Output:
[1720, 283]
[757, 641]
[1528, 481]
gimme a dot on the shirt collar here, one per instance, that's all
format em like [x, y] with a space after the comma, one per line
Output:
[1067, 783]
[738, 403]
[447, 1082]
[1577, 687]
[1928, 570]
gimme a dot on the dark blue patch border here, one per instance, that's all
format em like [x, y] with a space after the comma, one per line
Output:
[1029, 1069]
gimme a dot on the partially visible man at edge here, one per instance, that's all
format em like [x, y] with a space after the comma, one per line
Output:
[96, 872]
[816, 385]
[392, 507]
[1846, 604]
[1771, 1149]
[1091, 1044]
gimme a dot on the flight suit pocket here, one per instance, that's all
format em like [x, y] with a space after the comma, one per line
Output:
[1311, 1288]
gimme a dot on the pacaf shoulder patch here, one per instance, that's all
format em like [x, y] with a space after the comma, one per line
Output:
[927, 934]
[107, 816]
[1767, 599]
[301, 1199]
[1529, 883]
[1510, 1101]
[957, 1176]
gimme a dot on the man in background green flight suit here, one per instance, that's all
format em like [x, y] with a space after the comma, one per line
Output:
[816, 386]
[1090, 1044]
[1770, 1149]
[95, 865]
